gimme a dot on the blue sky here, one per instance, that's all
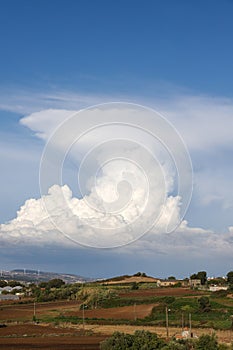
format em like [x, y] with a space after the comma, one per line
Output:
[119, 45]
[174, 56]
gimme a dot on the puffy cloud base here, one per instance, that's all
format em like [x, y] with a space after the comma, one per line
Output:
[34, 227]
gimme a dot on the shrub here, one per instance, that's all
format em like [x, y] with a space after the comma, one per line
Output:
[204, 304]
[207, 342]
[141, 340]
[118, 341]
[134, 286]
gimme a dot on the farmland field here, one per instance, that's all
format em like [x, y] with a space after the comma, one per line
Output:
[159, 292]
[64, 325]
[29, 336]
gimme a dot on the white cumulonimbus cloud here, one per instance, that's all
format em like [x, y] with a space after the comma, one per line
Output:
[33, 227]
[33, 224]
[126, 182]
[78, 217]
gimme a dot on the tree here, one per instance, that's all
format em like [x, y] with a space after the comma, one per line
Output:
[14, 283]
[230, 277]
[3, 284]
[118, 341]
[43, 284]
[56, 283]
[173, 345]
[207, 342]
[140, 340]
[140, 274]
[204, 304]
[201, 275]
[220, 281]
[143, 340]
[171, 278]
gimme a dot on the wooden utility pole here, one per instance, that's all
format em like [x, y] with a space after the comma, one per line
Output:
[167, 327]
[135, 315]
[83, 318]
[190, 324]
[34, 311]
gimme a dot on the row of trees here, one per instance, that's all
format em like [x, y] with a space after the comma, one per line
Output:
[143, 340]
[12, 283]
[202, 276]
[54, 289]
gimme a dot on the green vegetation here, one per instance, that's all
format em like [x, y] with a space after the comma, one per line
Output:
[135, 286]
[142, 340]
[3, 284]
[230, 277]
[204, 304]
[201, 275]
[205, 312]
[218, 316]
[11, 283]
[54, 283]
[206, 309]
[230, 280]
[95, 296]
[140, 274]
[54, 290]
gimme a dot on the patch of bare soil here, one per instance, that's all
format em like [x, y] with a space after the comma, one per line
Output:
[31, 336]
[23, 312]
[124, 312]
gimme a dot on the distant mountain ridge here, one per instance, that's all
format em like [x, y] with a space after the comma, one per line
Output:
[28, 275]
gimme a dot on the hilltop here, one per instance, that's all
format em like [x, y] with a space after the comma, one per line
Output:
[125, 279]
[25, 275]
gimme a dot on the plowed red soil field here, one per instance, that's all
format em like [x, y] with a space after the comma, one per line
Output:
[29, 336]
[24, 312]
[124, 312]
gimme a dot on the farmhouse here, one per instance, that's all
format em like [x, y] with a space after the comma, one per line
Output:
[166, 283]
[194, 283]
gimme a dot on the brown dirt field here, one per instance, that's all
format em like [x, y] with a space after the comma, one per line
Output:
[45, 336]
[124, 312]
[30, 336]
[67, 336]
[159, 292]
[30, 329]
[85, 343]
[24, 312]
